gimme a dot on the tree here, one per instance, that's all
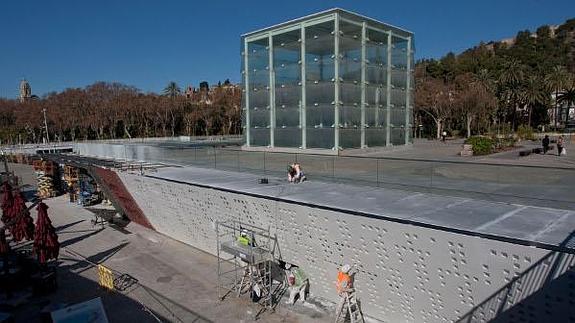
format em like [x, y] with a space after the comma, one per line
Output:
[533, 93]
[473, 98]
[172, 90]
[556, 80]
[435, 99]
[510, 80]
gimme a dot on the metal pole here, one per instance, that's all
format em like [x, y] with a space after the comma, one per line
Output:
[377, 170]
[336, 83]
[303, 78]
[272, 90]
[388, 96]
[247, 92]
[46, 127]
[363, 81]
[408, 92]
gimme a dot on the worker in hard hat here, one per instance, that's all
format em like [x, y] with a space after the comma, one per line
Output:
[245, 239]
[344, 285]
[298, 283]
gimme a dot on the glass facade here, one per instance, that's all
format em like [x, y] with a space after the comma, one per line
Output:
[333, 80]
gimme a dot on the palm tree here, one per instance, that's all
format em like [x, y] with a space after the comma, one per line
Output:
[533, 93]
[556, 80]
[172, 90]
[510, 80]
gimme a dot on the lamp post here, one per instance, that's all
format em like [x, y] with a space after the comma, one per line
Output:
[46, 126]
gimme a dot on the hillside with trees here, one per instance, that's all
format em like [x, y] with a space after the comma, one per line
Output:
[499, 86]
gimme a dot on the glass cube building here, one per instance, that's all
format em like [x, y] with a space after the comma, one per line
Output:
[332, 80]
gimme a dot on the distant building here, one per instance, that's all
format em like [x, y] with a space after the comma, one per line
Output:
[563, 116]
[205, 94]
[25, 91]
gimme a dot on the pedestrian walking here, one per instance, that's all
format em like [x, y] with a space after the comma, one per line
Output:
[560, 145]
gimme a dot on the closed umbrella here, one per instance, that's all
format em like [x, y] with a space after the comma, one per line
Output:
[4, 246]
[46, 245]
[22, 226]
[7, 201]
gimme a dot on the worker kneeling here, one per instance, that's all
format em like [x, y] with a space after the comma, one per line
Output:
[298, 283]
[295, 173]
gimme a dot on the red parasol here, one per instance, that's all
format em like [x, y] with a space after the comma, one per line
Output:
[7, 201]
[46, 245]
[4, 246]
[23, 226]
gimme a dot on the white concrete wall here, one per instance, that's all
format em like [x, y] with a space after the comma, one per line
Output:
[406, 273]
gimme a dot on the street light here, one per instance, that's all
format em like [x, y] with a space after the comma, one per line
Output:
[46, 126]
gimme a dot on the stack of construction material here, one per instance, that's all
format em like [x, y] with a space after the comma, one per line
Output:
[45, 174]
[71, 176]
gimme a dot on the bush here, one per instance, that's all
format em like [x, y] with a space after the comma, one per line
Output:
[502, 143]
[481, 145]
[525, 132]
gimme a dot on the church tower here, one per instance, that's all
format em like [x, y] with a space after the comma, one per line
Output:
[25, 91]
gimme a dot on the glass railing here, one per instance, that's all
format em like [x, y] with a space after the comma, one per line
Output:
[532, 185]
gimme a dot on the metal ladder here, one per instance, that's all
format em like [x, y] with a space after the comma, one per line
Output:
[355, 314]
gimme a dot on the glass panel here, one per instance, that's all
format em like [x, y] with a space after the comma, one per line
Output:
[399, 91]
[376, 57]
[398, 53]
[320, 138]
[375, 137]
[397, 97]
[260, 137]
[320, 90]
[287, 137]
[287, 116]
[259, 105]
[397, 136]
[350, 85]
[350, 138]
[287, 73]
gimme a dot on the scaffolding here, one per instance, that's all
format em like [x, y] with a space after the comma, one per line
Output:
[246, 262]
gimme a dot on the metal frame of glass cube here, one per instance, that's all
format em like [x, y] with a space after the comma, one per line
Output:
[332, 80]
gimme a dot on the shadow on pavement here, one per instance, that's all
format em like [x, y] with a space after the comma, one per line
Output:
[80, 238]
[65, 226]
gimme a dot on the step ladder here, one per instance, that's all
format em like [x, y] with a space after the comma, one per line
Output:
[353, 309]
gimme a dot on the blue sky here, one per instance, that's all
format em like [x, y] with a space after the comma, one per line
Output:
[60, 44]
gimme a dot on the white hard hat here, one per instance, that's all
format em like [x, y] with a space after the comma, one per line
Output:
[345, 268]
[287, 266]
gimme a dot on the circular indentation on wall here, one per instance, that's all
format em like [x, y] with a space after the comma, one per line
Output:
[164, 279]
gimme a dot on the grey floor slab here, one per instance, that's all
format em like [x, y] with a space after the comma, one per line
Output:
[548, 226]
